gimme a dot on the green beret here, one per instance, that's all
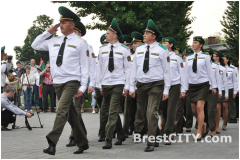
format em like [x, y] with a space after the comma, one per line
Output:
[199, 39]
[227, 56]
[67, 14]
[169, 39]
[219, 54]
[179, 49]
[189, 51]
[2, 49]
[80, 27]
[103, 39]
[209, 50]
[152, 28]
[137, 37]
[125, 39]
[115, 28]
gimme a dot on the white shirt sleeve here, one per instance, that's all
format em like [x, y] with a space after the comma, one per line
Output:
[40, 43]
[133, 74]
[99, 70]
[181, 71]
[225, 81]
[127, 68]
[166, 72]
[235, 82]
[219, 79]
[210, 72]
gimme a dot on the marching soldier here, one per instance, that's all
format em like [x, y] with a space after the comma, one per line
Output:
[114, 67]
[69, 68]
[150, 73]
[178, 50]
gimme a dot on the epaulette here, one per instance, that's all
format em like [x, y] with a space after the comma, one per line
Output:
[231, 67]
[215, 63]
[178, 55]
[205, 53]
[123, 45]
[140, 45]
[103, 45]
[82, 39]
[223, 66]
[161, 45]
[189, 54]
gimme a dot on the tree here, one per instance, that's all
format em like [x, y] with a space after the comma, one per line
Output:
[219, 38]
[26, 52]
[231, 27]
[172, 18]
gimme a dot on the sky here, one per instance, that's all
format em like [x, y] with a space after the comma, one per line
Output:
[18, 16]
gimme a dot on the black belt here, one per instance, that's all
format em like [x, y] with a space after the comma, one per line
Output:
[47, 84]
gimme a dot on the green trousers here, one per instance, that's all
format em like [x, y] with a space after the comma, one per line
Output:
[129, 113]
[111, 107]
[78, 103]
[232, 105]
[180, 121]
[169, 108]
[212, 110]
[189, 114]
[99, 97]
[67, 112]
[148, 100]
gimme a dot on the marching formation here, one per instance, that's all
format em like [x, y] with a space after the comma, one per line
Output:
[151, 81]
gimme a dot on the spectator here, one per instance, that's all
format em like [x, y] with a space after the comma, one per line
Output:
[48, 88]
[28, 81]
[35, 87]
[19, 71]
[11, 81]
[37, 78]
[5, 67]
[10, 109]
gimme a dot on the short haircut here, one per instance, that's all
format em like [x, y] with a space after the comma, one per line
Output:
[9, 88]
[27, 67]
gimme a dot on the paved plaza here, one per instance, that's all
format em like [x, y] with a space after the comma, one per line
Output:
[25, 144]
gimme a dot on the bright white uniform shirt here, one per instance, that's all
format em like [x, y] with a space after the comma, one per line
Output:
[122, 65]
[74, 65]
[159, 67]
[4, 65]
[92, 67]
[204, 70]
[215, 67]
[232, 79]
[223, 75]
[177, 70]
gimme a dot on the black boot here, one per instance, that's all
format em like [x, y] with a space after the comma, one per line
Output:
[81, 149]
[149, 149]
[5, 129]
[51, 149]
[119, 142]
[71, 142]
[108, 145]
[130, 132]
[101, 139]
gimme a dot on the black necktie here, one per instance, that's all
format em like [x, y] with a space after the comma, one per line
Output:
[194, 67]
[146, 61]
[110, 64]
[60, 53]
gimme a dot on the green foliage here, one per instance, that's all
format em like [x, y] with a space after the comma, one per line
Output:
[231, 27]
[172, 18]
[26, 52]
[219, 38]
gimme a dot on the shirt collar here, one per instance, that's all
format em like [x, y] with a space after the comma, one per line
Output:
[199, 53]
[170, 53]
[114, 45]
[70, 35]
[152, 44]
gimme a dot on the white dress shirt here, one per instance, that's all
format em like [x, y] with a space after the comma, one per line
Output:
[159, 67]
[4, 65]
[223, 75]
[232, 79]
[215, 67]
[177, 70]
[74, 65]
[204, 70]
[92, 67]
[122, 65]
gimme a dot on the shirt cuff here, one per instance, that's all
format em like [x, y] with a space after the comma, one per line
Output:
[132, 89]
[220, 91]
[92, 84]
[182, 89]
[99, 86]
[94, 93]
[166, 91]
[82, 89]
[126, 87]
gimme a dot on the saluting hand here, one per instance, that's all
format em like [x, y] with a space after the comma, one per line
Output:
[165, 97]
[54, 29]
[79, 94]
[132, 94]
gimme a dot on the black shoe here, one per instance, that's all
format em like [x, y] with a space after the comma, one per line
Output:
[204, 135]
[71, 142]
[199, 139]
[149, 149]
[119, 142]
[101, 139]
[232, 121]
[130, 132]
[114, 135]
[188, 130]
[167, 142]
[217, 132]
[224, 129]
[108, 145]
[156, 144]
[5, 129]
[50, 150]
[81, 149]
[126, 135]
[53, 111]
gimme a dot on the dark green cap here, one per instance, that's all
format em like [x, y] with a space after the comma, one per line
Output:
[103, 39]
[80, 27]
[169, 39]
[2, 49]
[115, 28]
[125, 39]
[199, 39]
[67, 14]
[179, 49]
[218, 53]
[137, 37]
[152, 28]
[230, 58]
[227, 56]
[209, 50]
[189, 51]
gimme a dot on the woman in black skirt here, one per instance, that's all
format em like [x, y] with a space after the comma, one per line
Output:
[199, 74]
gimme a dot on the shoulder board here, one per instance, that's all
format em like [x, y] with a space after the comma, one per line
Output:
[231, 67]
[223, 66]
[140, 45]
[205, 53]
[161, 45]
[103, 45]
[123, 45]
[3, 63]
[215, 63]
[178, 55]
[189, 54]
